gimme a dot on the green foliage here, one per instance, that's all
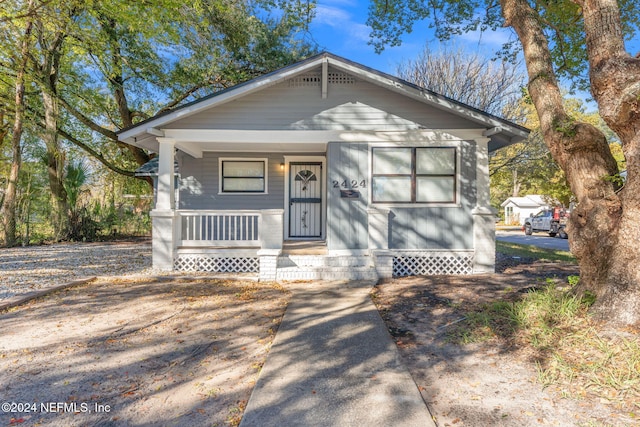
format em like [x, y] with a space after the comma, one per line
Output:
[616, 179]
[562, 20]
[119, 62]
[552, 323]
[533, 252]
[528, 167]
[390, 19]
[566, 127]
[541, 316]
[76, 177]
[34, 208]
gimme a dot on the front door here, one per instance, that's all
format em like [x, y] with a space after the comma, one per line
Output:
[305, 199]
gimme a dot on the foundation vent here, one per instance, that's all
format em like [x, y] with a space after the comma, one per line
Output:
[217, 264]
[431, 265]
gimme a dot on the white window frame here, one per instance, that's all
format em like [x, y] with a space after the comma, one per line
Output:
[243, 159]
[457, 195]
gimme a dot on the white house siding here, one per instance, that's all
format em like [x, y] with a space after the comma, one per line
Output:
[199, 183]
[347, 217]
[445, 227]
[359, 106]
[431, 228]
[419, 227]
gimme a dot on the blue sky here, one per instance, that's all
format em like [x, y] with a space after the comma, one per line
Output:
[339, 27]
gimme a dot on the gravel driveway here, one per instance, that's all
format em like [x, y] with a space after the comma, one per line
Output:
[33, 268]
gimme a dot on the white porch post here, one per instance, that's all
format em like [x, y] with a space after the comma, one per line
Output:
[271, 234]
[166, 194]
[484, 227]
[163, 215]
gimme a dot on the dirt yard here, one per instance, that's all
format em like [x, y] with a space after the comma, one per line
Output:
[175, 350]
[493, 383]
[153, 352]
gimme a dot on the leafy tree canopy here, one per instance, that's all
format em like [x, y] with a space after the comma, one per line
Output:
[562, 20]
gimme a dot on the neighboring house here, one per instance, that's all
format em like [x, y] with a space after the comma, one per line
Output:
[324, 169]
[517, 209]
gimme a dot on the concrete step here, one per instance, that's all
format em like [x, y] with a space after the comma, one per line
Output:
[327, 273]
[324, 261]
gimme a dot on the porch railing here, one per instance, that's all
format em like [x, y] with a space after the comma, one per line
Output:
[219, 228]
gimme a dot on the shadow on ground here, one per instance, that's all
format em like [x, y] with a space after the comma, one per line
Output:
[165, 351]
[490, 383]
[333, 363]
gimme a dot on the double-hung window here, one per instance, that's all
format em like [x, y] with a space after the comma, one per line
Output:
[414, 175]
[243, 176]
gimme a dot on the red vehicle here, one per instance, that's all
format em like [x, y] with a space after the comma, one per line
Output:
[552, 221]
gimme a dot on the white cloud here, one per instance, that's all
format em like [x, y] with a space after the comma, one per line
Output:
[341, 3]
[332, 16]
[487, 38]
[341, 20]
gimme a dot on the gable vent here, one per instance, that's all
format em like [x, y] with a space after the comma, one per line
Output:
[315, 79]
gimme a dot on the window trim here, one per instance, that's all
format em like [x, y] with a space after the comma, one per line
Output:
[414, 175]
[263, 160]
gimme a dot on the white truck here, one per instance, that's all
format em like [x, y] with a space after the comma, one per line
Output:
[552, 221]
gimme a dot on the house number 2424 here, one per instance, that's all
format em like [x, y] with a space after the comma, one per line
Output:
[353, 183]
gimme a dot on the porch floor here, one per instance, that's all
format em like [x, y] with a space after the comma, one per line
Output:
[304, 247]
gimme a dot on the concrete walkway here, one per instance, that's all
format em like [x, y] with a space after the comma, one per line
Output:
[333, 363]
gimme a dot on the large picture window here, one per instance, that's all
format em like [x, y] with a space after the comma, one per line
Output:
[414, 175]
[243, 175]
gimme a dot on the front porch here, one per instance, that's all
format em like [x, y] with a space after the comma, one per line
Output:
[251, 241]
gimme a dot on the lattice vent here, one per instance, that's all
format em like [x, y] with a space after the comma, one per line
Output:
[306, 80]
[341, 79]
[432, 265]
[217, 264]
[315, 79]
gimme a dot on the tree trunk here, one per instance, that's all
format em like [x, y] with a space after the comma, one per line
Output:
[615, 83]
[55, 168]
[515, 190]
[51, 45]
[11, 193]
[4, 127]
[582, 151]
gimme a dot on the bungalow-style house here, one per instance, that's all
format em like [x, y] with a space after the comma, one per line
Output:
[324, 169]
[517, 209]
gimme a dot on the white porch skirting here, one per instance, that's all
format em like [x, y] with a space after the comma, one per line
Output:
[416, 263]
[272, 265]
[251, 242]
